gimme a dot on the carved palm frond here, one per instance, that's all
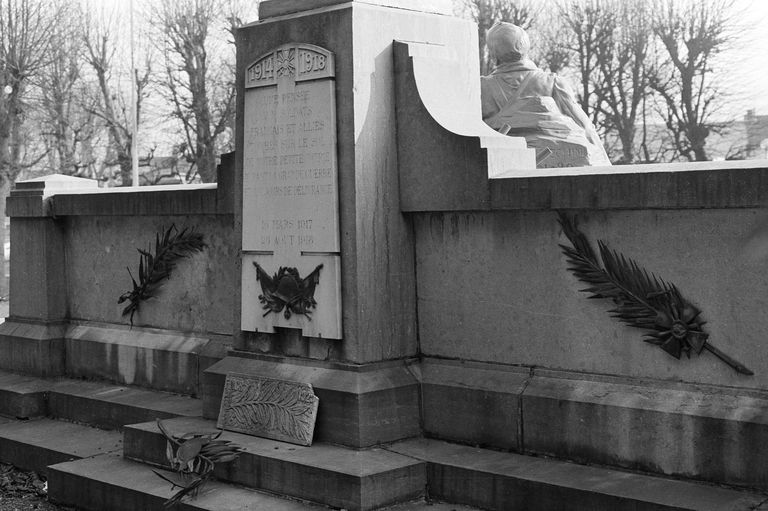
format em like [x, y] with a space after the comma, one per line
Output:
[155, 268]
[641, 299]
[270, 406]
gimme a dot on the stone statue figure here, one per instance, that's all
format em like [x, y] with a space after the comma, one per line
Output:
[519, 99]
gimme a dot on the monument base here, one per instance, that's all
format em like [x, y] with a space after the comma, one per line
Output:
[360, 405]
[702, 432]
[33, 347]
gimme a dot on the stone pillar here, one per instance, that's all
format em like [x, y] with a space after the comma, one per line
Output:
[32, 337]
[365, 377]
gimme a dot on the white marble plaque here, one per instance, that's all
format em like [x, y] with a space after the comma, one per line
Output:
[290, 192]
[270, 408]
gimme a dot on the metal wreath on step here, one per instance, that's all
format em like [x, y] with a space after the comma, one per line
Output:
[193, 456]
[642, 300]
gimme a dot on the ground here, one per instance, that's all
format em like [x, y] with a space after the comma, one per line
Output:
[23, 491]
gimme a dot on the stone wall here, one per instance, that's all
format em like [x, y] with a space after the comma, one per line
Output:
[493, 286]
[92, 240]
[198, 297]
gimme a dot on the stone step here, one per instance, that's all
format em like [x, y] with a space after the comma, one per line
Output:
[503, 481]
[113, 406]
[324, 473]
[93, 403]
[35, 444]
[109, 482]
[22, 397]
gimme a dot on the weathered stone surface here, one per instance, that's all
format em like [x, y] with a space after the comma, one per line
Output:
[503, 481]
[277, 409]
[33, 445]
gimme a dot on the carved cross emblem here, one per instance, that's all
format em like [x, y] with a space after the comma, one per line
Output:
[286, 62]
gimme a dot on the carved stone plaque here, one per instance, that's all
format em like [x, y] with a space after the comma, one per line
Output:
[270, 408]
[290, 190]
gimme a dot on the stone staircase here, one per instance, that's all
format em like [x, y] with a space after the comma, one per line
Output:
[97, 442]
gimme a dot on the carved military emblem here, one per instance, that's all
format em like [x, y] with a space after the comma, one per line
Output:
[287, 291]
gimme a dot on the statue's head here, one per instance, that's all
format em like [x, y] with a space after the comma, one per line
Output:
[507, 42]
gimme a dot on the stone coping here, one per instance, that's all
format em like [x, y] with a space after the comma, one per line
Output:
[703, 185]
[649, 168]
[156, 200]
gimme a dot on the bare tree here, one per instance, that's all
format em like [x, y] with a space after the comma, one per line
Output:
[590, 26]
[622, 62]
[691, 33]
[100, 48]
[63, 110]
[25, 37]
[202, 98]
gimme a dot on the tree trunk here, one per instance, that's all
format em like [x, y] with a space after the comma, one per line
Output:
[206, 163]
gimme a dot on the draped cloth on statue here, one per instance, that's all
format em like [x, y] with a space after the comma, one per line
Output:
[539, 106]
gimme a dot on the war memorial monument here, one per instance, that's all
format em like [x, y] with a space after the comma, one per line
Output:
[383, 300]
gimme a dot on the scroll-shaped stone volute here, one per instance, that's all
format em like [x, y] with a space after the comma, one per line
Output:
[446, 153]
